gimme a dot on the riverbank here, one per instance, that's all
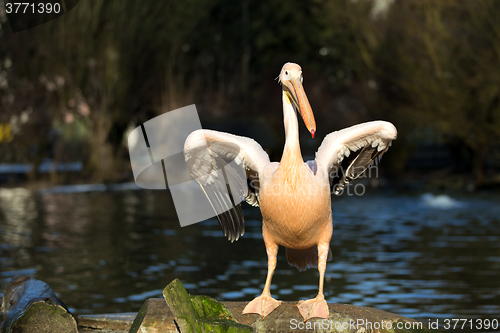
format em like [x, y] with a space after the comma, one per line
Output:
[286, 318]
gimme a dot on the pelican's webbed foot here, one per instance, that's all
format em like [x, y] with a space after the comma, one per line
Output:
[262, 305]
[316, 307]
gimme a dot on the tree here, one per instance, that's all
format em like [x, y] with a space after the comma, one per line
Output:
[439, 62]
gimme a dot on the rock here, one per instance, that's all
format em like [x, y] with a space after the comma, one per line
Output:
[30, 305]
[204, 314]
[156, 317]
[190, 314]
[153, 317]
[115, 322]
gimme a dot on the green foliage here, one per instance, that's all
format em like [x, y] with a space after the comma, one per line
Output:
[444, 68]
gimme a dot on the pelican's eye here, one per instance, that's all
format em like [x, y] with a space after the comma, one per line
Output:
[287, 75]
[301, 79]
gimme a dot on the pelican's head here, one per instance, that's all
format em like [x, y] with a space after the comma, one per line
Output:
[291, 79]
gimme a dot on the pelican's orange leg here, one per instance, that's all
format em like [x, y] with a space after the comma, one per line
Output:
[265, 304]
[317, 307]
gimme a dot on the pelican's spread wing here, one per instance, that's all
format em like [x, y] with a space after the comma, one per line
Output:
[347, 153]
[222, 164]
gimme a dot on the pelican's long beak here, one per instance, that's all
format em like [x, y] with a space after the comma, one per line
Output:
[300, 100]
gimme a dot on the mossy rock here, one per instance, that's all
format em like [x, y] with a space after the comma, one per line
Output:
[44, 317]
[30, 305]
[208, 307]
[203, 313]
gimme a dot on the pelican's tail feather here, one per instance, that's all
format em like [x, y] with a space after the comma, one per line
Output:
[305, 258]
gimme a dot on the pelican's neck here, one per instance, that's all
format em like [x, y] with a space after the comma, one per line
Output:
[291, 152]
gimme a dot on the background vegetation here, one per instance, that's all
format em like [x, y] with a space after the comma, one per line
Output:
[72, 88]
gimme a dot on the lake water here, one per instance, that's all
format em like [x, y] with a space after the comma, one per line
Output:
[419, 255]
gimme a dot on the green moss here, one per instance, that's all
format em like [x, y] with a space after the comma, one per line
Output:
[210, 308]
[201, 312]
[45, 317]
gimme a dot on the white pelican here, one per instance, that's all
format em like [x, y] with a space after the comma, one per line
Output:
[294, 196]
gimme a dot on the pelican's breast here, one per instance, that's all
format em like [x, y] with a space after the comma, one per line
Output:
[295, 207]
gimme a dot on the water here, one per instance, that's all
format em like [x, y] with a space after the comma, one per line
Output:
[419, 255]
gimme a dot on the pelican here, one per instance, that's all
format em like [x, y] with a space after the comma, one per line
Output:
[294, 196]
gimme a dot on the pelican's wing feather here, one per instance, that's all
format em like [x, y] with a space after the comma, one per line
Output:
[346, 154]
[223, 164]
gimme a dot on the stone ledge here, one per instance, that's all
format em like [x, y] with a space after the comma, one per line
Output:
[161, 319]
